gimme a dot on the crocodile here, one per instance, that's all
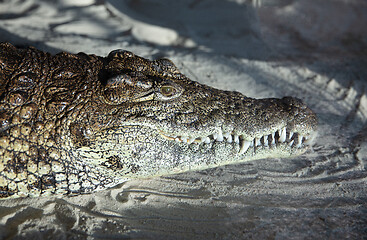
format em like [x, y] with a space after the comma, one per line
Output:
[78, 123]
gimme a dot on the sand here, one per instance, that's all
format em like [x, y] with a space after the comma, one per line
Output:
[314, 50]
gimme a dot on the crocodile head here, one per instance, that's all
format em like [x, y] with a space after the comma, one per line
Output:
[158, 121]
[79, 123]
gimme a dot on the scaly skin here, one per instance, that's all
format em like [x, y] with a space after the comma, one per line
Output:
[80, 123]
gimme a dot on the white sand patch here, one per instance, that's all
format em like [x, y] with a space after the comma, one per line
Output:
[79, 3]
[84, 27]
[155, 35]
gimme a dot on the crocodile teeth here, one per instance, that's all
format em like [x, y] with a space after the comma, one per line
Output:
[245, 146]
[219, 137]
[266, 141]
[300, 137]
[228, 136]
[257, 142]
[290, 135]
[273, 138]
[191, 140]
[283, 134]
[294, 139]
[229, 139]
[205, 140]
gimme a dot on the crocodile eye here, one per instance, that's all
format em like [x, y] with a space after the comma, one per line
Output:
[168, 91]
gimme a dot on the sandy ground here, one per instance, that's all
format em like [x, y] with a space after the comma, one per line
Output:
[315, 50]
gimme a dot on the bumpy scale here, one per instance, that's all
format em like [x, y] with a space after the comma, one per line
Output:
[76, 123]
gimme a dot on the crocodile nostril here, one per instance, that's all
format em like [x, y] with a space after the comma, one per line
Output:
[294, 103]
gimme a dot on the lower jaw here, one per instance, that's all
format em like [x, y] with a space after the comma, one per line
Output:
[156, 155]
[220, 153]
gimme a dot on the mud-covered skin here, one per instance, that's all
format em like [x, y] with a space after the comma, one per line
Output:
[79, 123]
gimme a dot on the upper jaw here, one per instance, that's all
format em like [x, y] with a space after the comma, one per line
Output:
[295, 127]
